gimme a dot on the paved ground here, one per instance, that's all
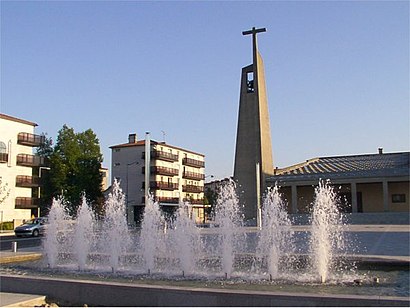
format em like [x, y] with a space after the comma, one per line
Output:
[21, 300]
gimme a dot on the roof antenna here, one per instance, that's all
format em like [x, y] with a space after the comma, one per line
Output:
[163, 135]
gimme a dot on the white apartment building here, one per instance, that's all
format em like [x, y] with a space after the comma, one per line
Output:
[19, 168]
[176, 175]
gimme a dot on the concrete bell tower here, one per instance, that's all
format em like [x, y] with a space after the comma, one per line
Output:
[253, 154]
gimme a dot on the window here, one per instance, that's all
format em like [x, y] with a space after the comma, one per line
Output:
[398, 198]
[3, 148]
[249, 82]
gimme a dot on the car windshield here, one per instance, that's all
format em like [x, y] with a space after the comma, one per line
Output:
[32, 222]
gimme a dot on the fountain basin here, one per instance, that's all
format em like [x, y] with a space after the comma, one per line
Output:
[81, 291]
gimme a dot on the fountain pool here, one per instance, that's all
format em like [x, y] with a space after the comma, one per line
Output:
[278, 257]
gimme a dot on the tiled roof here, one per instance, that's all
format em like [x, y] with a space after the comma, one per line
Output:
[354, 166]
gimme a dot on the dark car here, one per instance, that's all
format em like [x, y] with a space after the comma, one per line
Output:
[32, 227]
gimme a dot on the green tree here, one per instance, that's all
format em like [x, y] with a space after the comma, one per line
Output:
[210, 197]
[4, 191]
[75, 163]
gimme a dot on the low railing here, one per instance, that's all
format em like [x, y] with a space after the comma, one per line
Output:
[162, 170]
[155, 154]
[26, 203]
[161, 185]
[30, 160]
[193, 162]
[30, 139]
[195, 201]
[27, 181]
[192, 188]
[193, 175]
[163, 200]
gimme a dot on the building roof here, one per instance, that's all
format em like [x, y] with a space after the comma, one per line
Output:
[14, 119]
[353, 166]
[142, 143]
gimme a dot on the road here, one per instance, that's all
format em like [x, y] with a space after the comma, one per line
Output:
[22, 242]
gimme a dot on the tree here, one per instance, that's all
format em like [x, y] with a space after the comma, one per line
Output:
[75, 163]
[4, 191]
[210, 197]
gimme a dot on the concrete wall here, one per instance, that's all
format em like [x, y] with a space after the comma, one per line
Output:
[93, 293]
[372, 196]
[399, 188]
[305, 198]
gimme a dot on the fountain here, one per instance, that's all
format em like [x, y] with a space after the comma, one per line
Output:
[276, 243]
[83, 235]
[54, 243]
[326, 235]
[278, 255]
[228, 219]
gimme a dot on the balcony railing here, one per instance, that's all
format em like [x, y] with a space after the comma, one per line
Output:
[162, 156]
[26, 203]
[30, 160]
[27, 181]
[193, 175]
[163, 200]
[192, 188]
[4, 157]
[162, 170]
[30, 139]
[195, 201]
[193, 162]
[161, 185]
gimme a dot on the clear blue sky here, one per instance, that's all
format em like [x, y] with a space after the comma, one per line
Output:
[337, 73]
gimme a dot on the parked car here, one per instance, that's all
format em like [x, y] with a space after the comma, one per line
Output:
[32, 227]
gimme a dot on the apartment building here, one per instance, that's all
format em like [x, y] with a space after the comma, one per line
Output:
[175, 175]
[20, 169]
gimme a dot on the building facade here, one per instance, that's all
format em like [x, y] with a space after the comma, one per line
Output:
[364, 183]
[175, 175]
[20, 169]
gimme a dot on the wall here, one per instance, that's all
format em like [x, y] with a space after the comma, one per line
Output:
[372, 196]
[8, 171]
[399, 188]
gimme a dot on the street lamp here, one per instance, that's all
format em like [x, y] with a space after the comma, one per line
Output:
[39, 187]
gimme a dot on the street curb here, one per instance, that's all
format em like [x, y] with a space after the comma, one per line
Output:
[20, 258]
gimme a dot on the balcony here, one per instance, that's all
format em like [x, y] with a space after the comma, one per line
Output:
[163, 200]
[30, 160]
[161, 185]
[195, 201]
[161, 155]
[162, 171]
[30, 139]
[193, 162]
[4, 157]
[27, 181]
[26, 203]
[192, 189]
[193, 176]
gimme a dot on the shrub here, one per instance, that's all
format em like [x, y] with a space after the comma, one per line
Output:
[7, 225]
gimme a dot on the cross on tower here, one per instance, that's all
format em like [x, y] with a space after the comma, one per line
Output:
[254, 31]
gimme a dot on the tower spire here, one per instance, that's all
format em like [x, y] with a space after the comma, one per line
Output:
[253, 140]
